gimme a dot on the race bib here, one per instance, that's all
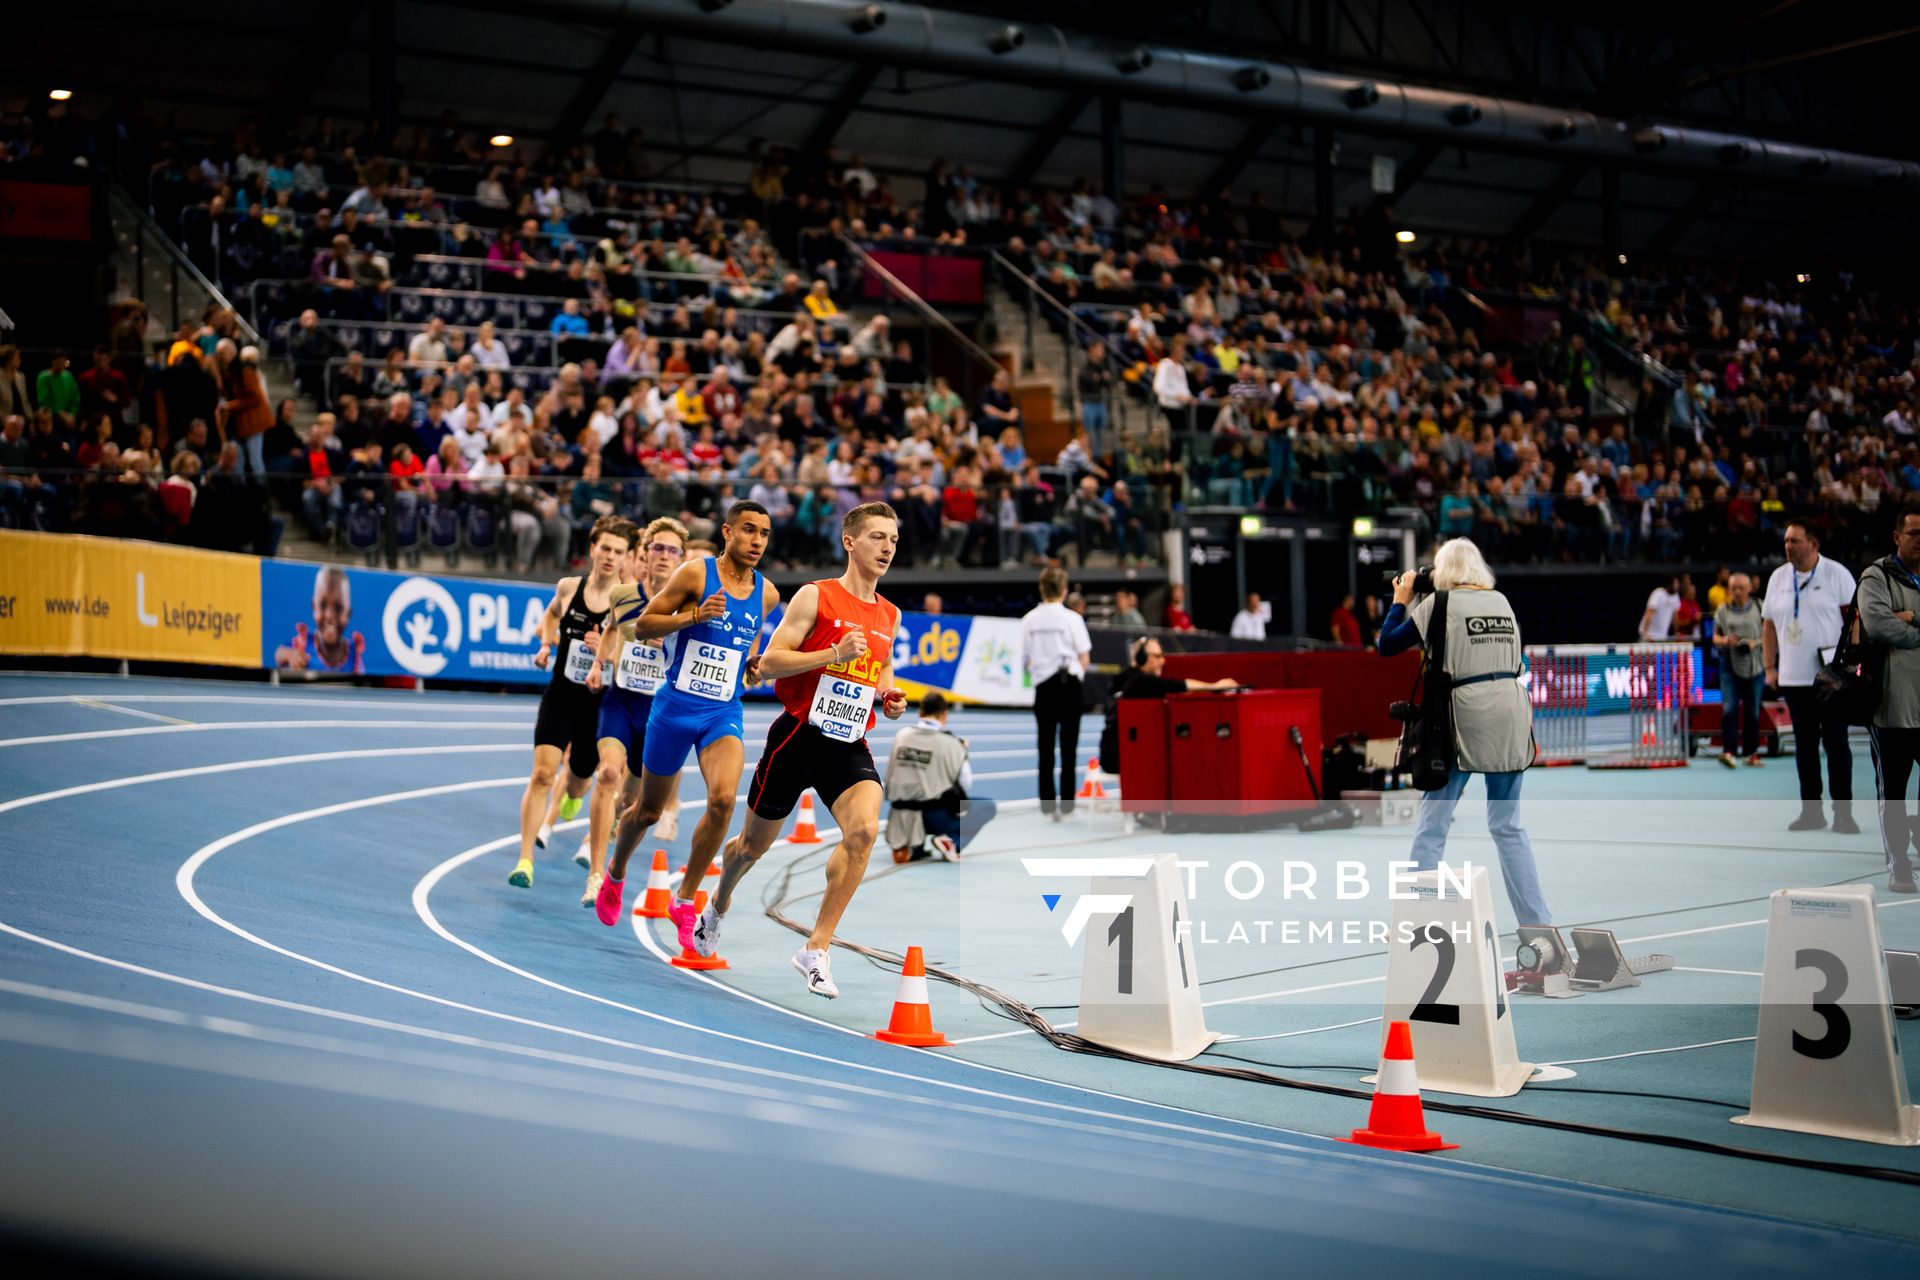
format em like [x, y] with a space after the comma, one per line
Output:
[840, 708]
[643, 668]
[579, 662]
[710, 671]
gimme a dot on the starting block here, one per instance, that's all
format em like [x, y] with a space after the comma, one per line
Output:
[1548, 967]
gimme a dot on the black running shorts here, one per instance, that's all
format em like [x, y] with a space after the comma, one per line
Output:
[571, 722]
[799, 756]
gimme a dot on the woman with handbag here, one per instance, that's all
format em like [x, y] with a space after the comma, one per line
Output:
[1471, 636]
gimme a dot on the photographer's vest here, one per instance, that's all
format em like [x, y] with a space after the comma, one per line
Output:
[1492, 718]
[924, 765]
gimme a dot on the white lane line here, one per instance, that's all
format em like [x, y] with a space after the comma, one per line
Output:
[423, 891]
[1734, 973]
[1305, 1031]
[1647, 1053]
[98, 705]
[183, 880]
[229, 726]
[1294, 991]
[233, 766]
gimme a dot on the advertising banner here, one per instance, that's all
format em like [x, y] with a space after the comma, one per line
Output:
[63, 595]
[976, 660]
[340, 618]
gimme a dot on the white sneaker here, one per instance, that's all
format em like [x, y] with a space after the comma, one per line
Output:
[593, 890]
[813, 966]
[944, 848]
[668, 828]
[583, 856]
[544, 834]
[706, 932]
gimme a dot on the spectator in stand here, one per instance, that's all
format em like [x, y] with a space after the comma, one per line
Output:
[1344, 624]
[996, 407]
[1095, 381]
[1251, 622]
[428, 348]
[246, 412]
[58, 390]
[1801, 621]
[13, 386]
[104, 389]
[487, 350]
[1171, 389]
[1175, 616]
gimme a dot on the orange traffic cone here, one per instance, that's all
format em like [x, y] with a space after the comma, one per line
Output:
[1396, 1121]
[713, 867]
[912, 1022]
[691, 959]
[803, 830]
[1092, 788]
[654, 905]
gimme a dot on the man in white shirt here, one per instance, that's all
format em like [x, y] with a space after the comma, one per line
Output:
[429, 346]
[488, 351]
[1170, 389]
[1800, 627]
[1251, 622]
[1057, 648]
[1657, 622]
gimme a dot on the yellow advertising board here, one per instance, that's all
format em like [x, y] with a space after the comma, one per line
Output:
[68, 595]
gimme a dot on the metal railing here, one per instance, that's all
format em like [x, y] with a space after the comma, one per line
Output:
[930, 315]
[140, 236]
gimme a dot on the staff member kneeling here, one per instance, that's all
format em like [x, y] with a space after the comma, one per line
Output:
[1492, 717]
[927, 782]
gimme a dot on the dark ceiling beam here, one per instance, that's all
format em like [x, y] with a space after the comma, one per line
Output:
[1228, 171]
[592, 91]
[1550, 199]
[1047, 137]
[841, 110]
[1409, 171]
[1684, 217]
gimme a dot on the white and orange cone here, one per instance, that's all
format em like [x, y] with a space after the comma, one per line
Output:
[1396, 1121]
[1092, 788]
[653, 905]
[912, 1021]
[804, 831]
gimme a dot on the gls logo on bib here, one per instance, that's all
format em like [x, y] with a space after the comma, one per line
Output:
[408, 626]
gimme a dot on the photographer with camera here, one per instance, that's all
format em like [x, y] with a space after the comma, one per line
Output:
[1737, 632]
[1491, 718]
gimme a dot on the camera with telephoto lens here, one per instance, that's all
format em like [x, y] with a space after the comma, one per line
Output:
[1422, 580]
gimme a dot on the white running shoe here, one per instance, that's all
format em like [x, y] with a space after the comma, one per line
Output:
[813, 966]
[593, 890]
[668, 828]
[706, 932]
[944, 848]
[544, 834]
[583, 856]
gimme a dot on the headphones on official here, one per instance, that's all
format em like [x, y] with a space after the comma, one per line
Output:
[1140, 651]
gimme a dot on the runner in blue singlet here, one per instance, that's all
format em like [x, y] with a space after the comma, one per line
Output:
[713, 611]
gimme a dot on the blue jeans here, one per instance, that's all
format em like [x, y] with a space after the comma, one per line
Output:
[1503, 824]
[1740, 713]
[253, 458]
[939, 822]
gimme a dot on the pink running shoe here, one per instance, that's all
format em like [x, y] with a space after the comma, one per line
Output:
[606, 904]
[684, 918]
